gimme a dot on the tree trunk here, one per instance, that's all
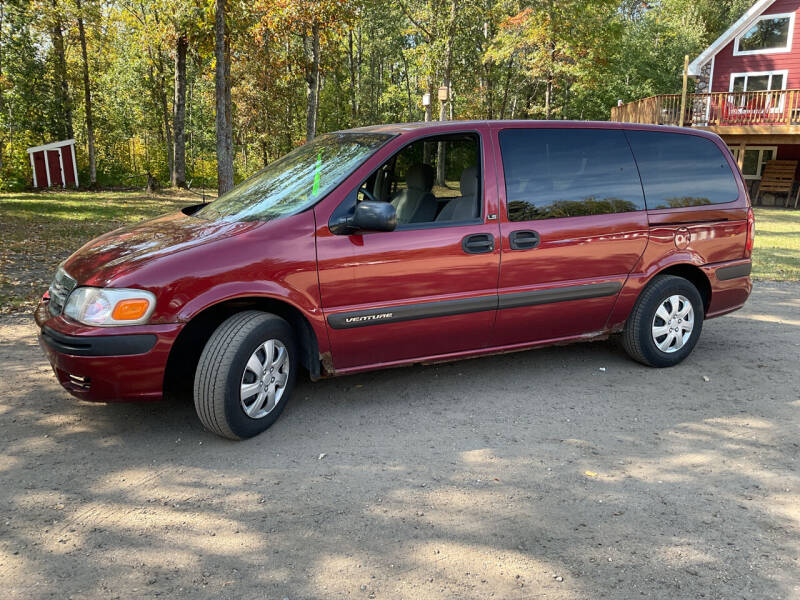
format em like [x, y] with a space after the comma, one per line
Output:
[191, 127]
[311, 48]
[87, 92]
[2, 91]
[267, 84]
[373, 110]
[351, 57]
[427, 148]
[448, 72]
[179, 116]
[359, 65]
[264, 152]
[506, 88]
[408, 85]
[551, 51]
[531, 91]
[223, 98]
[288, 105]
[62, 90]
[548, 94]
[489, 87]
[166, 115]
[441, 156]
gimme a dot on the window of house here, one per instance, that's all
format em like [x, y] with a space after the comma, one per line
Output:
[755, 159]
[680, 170]
[553, 173]
[770, 33]
[758, 81]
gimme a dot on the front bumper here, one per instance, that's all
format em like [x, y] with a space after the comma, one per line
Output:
[107, 364]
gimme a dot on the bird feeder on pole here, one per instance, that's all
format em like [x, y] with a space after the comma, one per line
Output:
[444, 92]
[426, 103]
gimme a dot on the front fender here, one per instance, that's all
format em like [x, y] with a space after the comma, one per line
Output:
[266, 290]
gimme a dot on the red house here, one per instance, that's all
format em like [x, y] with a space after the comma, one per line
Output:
[747, 89]
[54, 164]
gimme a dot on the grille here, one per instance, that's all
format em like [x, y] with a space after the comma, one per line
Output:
[60, 289]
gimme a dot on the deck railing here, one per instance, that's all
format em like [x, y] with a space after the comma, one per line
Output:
[719, 109]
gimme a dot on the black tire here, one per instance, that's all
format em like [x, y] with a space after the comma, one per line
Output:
[222, 364]
[637, 339]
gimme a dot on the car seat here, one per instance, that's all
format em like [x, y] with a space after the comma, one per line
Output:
[467, 206]
[416, 203]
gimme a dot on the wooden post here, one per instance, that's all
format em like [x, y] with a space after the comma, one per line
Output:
[685, 85]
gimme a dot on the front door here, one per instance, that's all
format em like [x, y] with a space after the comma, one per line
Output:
[573, 225]
[54, 162]
[429, 288]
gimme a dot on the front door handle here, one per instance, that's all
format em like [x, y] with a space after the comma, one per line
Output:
[524, 239]
[478, 243]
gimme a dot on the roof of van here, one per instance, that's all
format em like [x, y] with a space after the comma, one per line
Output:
[399, 128]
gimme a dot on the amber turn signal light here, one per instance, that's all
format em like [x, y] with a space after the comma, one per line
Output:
[130, 310]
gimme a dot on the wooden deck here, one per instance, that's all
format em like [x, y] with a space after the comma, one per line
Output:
[733, 113]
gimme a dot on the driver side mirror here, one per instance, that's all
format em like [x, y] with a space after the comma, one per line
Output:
[369, 215]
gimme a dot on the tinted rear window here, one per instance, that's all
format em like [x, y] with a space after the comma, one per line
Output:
[552, 173]
[682, 170]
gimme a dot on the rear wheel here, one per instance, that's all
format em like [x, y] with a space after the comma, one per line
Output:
[665, 323]
[245, 375]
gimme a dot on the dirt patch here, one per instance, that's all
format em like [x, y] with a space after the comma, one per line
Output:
[530, 475]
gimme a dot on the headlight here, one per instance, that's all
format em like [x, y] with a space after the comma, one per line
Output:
[109, 306]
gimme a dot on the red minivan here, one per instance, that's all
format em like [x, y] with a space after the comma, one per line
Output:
[400, 244]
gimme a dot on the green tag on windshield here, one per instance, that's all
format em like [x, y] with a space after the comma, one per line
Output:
[317, 169]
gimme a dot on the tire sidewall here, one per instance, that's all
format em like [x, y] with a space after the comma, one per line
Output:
[661, 291]
[239, 422]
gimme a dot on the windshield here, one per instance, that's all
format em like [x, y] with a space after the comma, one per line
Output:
[295, 181]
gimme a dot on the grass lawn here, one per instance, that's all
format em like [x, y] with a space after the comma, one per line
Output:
[776, 255]
[39, 230]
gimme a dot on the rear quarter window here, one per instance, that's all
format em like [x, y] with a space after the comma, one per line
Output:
[681, 170]
[555, 173]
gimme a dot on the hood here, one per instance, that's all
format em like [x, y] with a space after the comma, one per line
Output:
[131, 247]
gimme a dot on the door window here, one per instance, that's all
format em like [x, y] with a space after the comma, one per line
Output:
[432, 181]
[552, 173]
[680, 170]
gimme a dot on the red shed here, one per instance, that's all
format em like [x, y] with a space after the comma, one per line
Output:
[54, 164]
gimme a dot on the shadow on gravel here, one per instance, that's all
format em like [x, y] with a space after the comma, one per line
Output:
[529, 475]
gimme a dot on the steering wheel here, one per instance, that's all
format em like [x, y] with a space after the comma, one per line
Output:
[368, 194]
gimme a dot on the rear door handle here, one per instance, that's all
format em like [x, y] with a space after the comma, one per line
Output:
[478, 243]
[524, 239]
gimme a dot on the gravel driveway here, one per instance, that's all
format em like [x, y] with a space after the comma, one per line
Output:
[561, 473]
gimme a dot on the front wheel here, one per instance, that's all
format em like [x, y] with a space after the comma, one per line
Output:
[245, 375]
[665, 323]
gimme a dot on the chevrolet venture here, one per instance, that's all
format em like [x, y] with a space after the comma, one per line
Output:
[400, 244]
